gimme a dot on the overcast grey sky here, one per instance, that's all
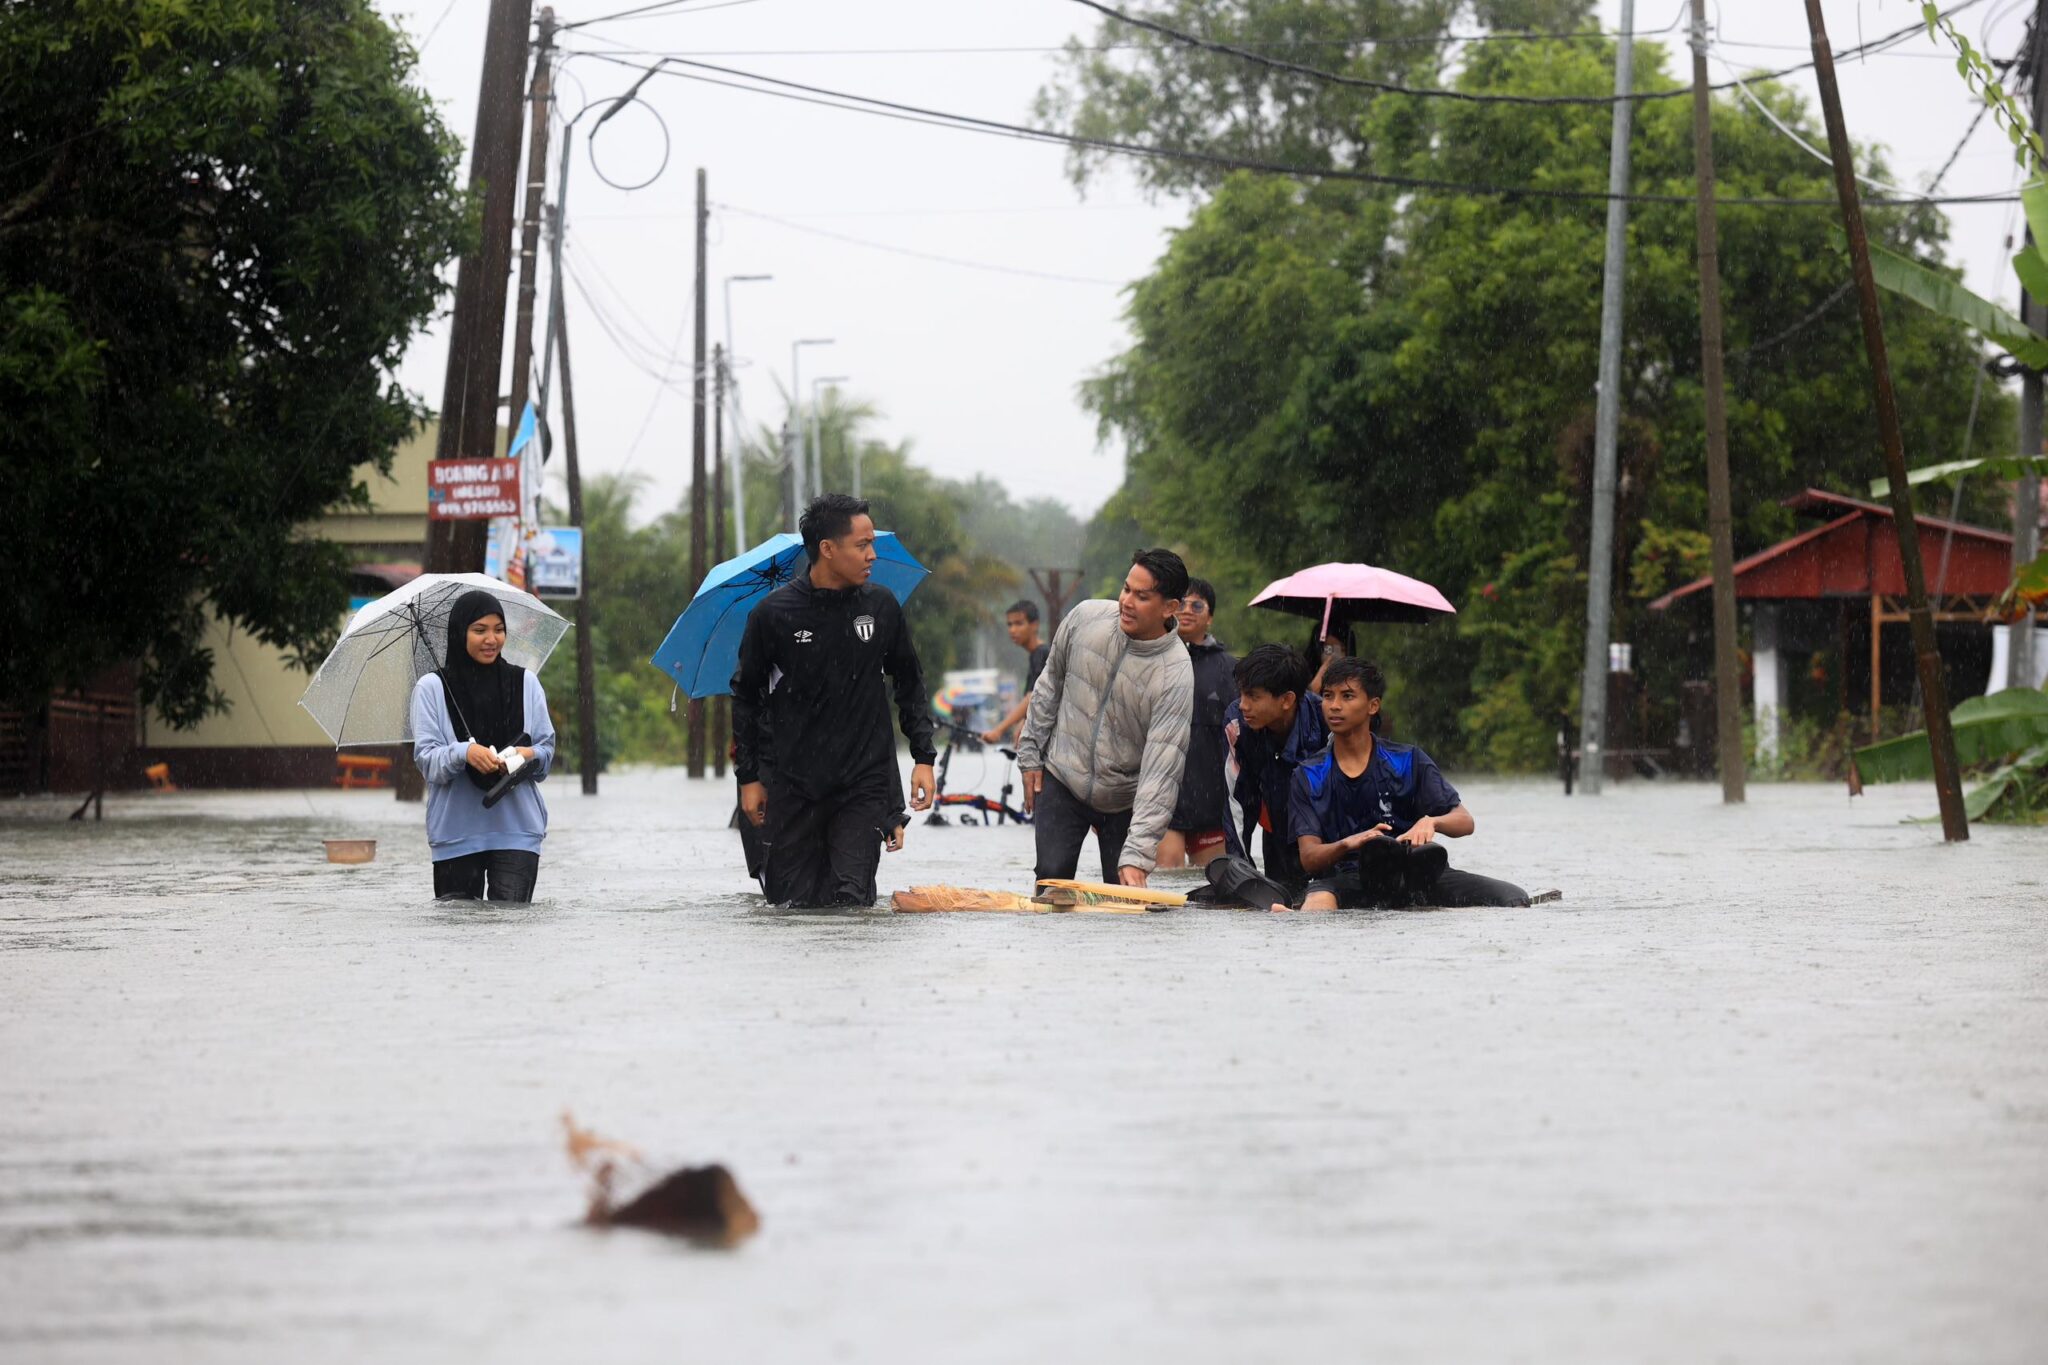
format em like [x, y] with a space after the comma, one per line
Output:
[978, 368]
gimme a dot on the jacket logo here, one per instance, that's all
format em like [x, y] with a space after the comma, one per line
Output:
[864, 626]
[803, 637]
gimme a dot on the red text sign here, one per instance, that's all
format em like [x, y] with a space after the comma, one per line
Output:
[472, 490]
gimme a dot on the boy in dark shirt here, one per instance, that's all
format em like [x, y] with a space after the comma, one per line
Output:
[1274, 726]
[1366, 812]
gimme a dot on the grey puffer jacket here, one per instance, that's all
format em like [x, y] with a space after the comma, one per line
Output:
[1110, 718]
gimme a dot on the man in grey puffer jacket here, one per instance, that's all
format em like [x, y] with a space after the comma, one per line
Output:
[1107, 737]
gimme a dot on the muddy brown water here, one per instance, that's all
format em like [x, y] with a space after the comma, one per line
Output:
[1770, 1084]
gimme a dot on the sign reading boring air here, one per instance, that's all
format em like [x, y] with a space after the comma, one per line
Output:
[471, 490]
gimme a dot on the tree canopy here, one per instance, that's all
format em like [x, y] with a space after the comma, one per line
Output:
[974, 539]
[220, 223]
[1322, 371]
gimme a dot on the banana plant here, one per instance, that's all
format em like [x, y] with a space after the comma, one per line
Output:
[1940, 293]
[2007, 728]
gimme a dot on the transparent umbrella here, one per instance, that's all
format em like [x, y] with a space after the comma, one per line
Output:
[363, 692]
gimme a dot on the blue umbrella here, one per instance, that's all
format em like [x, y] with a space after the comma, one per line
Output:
[703, 647]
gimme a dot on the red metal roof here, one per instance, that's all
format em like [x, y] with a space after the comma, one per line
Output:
[1856, 553]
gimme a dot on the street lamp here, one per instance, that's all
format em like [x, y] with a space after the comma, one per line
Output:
[817, 434]
[796, 399]
[739, 459]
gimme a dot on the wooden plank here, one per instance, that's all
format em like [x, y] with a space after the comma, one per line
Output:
[1143, 894]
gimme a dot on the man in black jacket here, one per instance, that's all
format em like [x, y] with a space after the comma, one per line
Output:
[1195, 835]
[812, 661]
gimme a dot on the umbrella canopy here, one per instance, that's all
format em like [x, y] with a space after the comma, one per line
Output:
[703, 647]
[363, 692]
[1340, 595]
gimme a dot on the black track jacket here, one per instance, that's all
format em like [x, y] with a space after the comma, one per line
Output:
[828, 714]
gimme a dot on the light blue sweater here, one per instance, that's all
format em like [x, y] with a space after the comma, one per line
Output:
[457, 823]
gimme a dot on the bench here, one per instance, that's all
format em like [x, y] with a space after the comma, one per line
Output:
[360, 770]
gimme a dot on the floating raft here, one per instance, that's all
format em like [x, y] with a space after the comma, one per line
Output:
[1093, 898]
[1052, 897]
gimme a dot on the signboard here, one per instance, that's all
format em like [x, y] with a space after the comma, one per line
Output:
[472, 490]
[554, 563]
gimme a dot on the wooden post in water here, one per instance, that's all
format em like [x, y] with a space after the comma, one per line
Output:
[1948, 787]
[1720, 496]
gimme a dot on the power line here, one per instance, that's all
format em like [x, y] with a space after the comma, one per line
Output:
[1466, 96]
[1792, 135]
[1811, 317]
[428, 41]
[917, 255]
[1039, 49]
[647, 11]
[1961, 143]
[910, 113]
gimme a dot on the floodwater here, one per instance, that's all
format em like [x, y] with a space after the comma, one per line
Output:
[1770, 1084]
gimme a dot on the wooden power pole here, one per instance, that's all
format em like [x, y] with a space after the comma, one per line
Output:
[1948, 788]
[698, 512]
[541, 107]
[476, 332]
[1720, 514]
[718, 551]
[586, 648]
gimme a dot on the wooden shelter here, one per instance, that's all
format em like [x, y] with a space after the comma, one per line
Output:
[1851, 558]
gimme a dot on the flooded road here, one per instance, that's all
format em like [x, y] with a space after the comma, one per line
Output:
[1770, 1084]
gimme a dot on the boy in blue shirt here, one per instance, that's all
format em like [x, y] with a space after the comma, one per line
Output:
[1366, 812]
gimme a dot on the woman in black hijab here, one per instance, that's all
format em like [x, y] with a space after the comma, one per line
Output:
[473, 719]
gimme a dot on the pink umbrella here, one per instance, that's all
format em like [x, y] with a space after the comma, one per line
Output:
[1344, 594]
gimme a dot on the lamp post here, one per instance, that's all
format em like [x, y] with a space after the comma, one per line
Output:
[796, 398]
[818, 435]
[739, 459]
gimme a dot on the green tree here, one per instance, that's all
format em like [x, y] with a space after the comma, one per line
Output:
[1131, 84]
[220, 223]
[969, 585]
[1300, 392]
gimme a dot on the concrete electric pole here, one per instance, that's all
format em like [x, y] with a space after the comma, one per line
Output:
[1607, 427]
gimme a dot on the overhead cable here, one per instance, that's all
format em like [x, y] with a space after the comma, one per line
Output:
[910, 113]
[648, 12]
[1468, 96]
[1816, 153]
[917, 255]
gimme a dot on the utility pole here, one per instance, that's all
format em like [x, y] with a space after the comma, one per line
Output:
[1720, 516]
[718, 554]
[476, 329]
[699, 511]
[1607, 426]
[739, 453]
[806, 475]
[817, 447]
[586, 651]
[529, 227]
[2026, 507]
[1941, 738]
[476, 332]
[792, 473]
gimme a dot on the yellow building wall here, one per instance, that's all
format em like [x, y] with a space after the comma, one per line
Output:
[262, 687]
[263, 692]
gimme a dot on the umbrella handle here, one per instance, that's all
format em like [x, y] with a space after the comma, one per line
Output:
[1328, 603]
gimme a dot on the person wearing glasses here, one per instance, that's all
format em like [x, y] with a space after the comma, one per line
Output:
[1195, 834]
